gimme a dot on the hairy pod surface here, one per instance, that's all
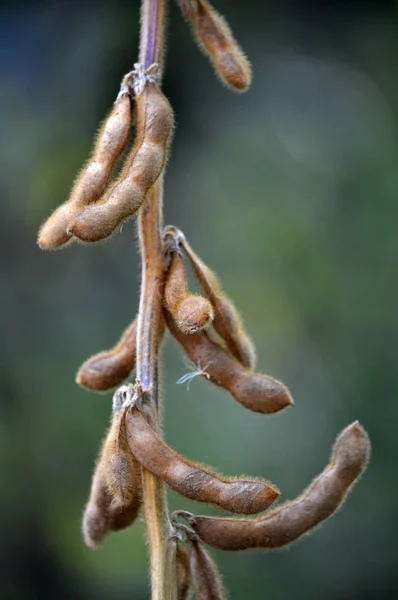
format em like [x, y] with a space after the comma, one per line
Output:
[103, 514]
[95, 175]
[183, 572]
[109, 369]
[122, 516]
[191, 312]
[240, 496]
[254, 391]
[227, 321]
[96, 519]
[116, 490]
[188, 8]
[145, 163]
[123, 475]
[216, 39]
[289, 522]
[206, 579]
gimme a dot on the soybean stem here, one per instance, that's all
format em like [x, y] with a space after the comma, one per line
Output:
[153, 13]
[149, 332]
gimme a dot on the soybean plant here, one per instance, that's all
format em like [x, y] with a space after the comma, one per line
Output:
[134, 462]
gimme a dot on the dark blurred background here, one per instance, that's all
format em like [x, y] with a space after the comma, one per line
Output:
[290, 193]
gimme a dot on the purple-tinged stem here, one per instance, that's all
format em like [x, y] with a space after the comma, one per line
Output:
[153, 14]
[150, 326]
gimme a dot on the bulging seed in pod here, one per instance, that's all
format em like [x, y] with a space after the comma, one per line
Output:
[122, 516]
[95, 175]
[109, 369]
[227, 321]
[241, 496]
[116, 489]
[103, 514]
[123, 470]
[145, 163]
[254, 391]
[191, 312]
[96, 519]
[215, 38]
[292, 520]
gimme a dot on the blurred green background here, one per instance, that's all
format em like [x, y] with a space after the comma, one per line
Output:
[290, 193]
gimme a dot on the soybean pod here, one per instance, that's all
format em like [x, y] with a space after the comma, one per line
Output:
[145, 163]
[227, 321]
[196, 482]
[116, 489]
[215, 38]
[254, 391]
[292, 520]
[95, 175]
[109, 369]
[103, 513]
[191, 312]
[123, 472]
[206, 578]
[183, 572]
[96, 518]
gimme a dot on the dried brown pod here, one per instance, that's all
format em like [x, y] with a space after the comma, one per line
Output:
[116, 490]
[215, 38]
[109, 369]
[183, 572]
[289, 522]
[188, 8]
[102, 514]
[123, 472]
[122, 516]
[254, 391]
[96, 519]
[143, 167]
[196, 482]
[206, 578]
[95, 175]
[190, 312]
[227, 321]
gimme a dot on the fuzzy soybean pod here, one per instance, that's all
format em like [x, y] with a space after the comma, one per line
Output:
[290, 521]
[109, 369]
[216, 39]
[190, 312]
[183, 572]
[116, 489]
[95, 175]
[96, 518]
[123, 515]
[188, 8]
[227, 321]
[254, 391]
[145, 163]
[196, 482]
[103, 514]
[205, 576]
[123, 472]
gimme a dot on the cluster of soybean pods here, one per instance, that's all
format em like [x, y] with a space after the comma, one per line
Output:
[210, 332]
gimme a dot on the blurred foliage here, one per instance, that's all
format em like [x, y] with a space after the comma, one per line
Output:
[290, 193]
